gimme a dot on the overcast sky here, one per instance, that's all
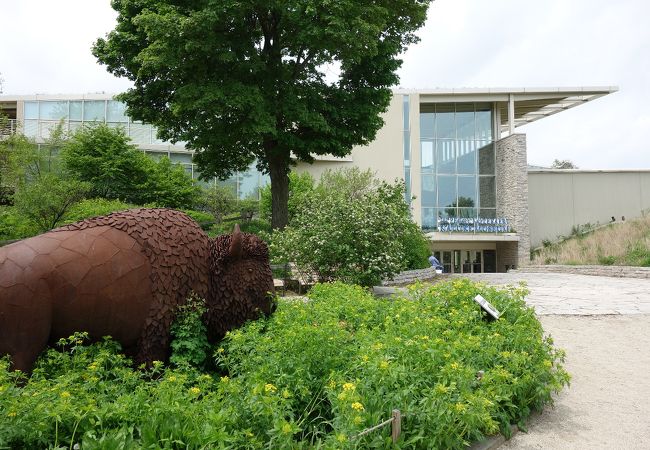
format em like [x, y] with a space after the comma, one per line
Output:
[465, 43]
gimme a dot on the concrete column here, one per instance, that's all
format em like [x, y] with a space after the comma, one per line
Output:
[512, 195]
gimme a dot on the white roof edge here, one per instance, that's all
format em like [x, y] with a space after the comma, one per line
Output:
[86, 96]
[514, 90]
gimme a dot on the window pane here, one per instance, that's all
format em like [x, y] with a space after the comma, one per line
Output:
[467, 192]
[181, 158]
[486, 159]
[466, 156]
[488, 213]
[116, 111]
[446, 156]
[407, 148]
[406, 106]
[30, 128]
[95, 111]
[465, 121]
[75, 110]
[154, 137]
[467, 212]
[426, 125]
[484, 122]
[487, 192]
[428, 191]
[428, 218]
[446, 191]
[31, 110]
[445, 127]
[156, 156]
[140, 133]
[54, 110]
[427, 156]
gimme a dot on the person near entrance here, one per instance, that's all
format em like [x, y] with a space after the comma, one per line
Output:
[435, 263]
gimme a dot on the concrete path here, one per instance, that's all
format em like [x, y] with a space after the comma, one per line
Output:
[603, 324]
[556, 293]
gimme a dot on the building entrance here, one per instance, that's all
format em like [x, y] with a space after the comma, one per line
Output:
[467, 261]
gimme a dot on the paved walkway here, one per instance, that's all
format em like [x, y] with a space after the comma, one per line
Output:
[603, 323]
[568, 294]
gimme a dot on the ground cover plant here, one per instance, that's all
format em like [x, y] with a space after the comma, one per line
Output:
[313, 375]
[620, 244]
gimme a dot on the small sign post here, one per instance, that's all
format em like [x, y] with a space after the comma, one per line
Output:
[487, 307]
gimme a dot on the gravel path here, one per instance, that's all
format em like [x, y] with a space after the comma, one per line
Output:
[603, 324]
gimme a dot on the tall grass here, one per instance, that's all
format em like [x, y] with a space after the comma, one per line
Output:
[621, 244]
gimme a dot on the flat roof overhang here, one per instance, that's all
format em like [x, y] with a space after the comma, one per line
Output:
[530, 104]
[469, 237]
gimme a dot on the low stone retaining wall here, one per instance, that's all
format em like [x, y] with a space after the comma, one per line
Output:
[600, 271]
[411, 276]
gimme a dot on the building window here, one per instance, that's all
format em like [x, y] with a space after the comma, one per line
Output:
[457, 161]
[406, 104]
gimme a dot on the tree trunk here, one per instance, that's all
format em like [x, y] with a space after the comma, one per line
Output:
[279, 172]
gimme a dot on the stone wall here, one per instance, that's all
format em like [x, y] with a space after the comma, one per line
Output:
[512, 196]
[507, 256]
[602, 271]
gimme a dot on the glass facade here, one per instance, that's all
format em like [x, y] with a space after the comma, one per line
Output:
[42, 116]
[457, 162]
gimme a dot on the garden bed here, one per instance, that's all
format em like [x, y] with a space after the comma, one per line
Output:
[316, 373]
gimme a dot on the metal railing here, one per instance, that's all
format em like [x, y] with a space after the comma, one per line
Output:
[8, 127]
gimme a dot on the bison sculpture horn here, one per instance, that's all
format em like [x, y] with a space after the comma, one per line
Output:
[124, 275]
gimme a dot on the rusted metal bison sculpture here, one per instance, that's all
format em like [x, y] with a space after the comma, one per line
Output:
[124, 275]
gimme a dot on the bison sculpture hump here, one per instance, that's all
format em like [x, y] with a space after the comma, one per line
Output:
[124, 275]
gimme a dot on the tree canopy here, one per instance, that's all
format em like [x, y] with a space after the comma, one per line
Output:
[272, 81]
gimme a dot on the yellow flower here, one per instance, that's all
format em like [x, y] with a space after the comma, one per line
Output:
[548, 364]
[332, 384]
[12, 414]
[348, 387]
[378, 346]
[65, 394]
[357, 406]
[195, 391]
[441, 389]
[460, 407]
[455, 366]
[365, 358]
[225, 379]
[268, 387]
[286, 428]
[93, 366]
[341, 437]
[172, 378]
[220, 350]
[286, 393]
[383, 364]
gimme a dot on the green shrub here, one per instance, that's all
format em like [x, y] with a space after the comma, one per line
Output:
[189, 335]
[313, 375]
[14, 226]
[416, 248]
[94, 207]
[116, 169]
[204, 219]
[256, 226]
[352, 227]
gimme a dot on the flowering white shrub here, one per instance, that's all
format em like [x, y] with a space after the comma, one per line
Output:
[350, 228]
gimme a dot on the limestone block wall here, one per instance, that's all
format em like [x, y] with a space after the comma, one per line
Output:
[512, 195]
[507, 256]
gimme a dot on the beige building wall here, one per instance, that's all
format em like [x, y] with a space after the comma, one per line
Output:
[384, 155]
[561, 199]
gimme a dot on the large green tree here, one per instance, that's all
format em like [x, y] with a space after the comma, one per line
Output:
[277, 81]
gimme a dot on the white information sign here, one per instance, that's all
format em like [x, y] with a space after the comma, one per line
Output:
[491, 310]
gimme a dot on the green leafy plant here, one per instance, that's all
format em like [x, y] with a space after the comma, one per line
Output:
[313, 375]
[189, 334]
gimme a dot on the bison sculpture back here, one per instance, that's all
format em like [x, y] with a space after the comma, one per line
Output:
[124, 275]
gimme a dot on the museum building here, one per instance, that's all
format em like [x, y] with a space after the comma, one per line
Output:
[463, 162]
